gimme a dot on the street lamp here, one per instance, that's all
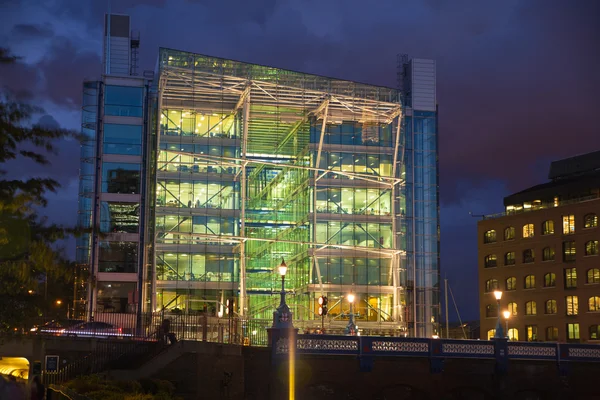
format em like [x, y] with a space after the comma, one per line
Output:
[58, 302]
[351, 328]
[282, 318]
[506, 317]
[499, 334]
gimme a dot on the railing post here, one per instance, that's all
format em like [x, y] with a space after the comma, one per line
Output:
[501, 355]
[436, 360]
[365, 356]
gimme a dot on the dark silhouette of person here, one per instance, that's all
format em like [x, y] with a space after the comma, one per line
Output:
[167, 335]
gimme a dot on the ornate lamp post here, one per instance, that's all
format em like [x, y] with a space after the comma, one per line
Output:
[351, 327]
[282, 317]
[499, 334]
[282, 337]
[506, 314]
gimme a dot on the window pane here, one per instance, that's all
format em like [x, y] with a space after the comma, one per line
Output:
[120, 178]
[117, 297]
[569, 251]
[568, 224]
[573, 331]
[572, 305]
[123, 139]
[570, 278]
[123, 101]
[118, 257]
[119, 217]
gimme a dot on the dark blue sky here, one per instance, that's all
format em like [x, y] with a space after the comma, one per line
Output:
[518, 81]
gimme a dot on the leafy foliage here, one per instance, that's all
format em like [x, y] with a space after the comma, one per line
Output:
[97, 388]
[29, 258]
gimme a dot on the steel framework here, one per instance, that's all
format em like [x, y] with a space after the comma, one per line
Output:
[281, 124]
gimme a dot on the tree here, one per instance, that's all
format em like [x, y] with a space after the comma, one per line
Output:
[29, 258]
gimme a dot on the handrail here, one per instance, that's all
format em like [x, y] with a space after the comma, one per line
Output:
[543, 206]
[66, 393]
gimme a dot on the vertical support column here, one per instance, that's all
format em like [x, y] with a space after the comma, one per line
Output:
[144, 206]
[317, 176]
[394, 267]
[243, 306]
[153, 289]
[96, 204]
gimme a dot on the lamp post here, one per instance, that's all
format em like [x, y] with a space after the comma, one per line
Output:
[282, 317]
[282, 335]
[499, 334]
[506, 317]
[351, 328]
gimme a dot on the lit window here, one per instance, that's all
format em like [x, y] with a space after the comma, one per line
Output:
[573, 331]
[491, 311]
[590, 221]
[593, 275]
[551, 307]
[528, 256]
[512, 307]
[530, 282]
[550, 279]
[572, 305]
[491, 285]
[509, 233]
[511, 283]
[568, 224]
[594, 303]
[490, 261]
[490, 334]
[594, 332]
[530, 308]
[489, 236]
[528, 230]
[513, 334]
[569, 251]
[570, 278]
[551, 333]
[531, 333]
[548, 227]
[548, 254]
[509, 258]
[591, 248]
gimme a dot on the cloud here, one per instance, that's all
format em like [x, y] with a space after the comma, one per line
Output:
[58, 76]
[32, 31]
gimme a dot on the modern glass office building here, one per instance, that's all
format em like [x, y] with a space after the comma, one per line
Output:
[203, 177]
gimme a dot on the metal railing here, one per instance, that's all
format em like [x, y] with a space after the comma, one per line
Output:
[544, 205]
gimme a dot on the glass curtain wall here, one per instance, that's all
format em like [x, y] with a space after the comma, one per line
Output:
[421, 224]
[258, 164]
[87, 188]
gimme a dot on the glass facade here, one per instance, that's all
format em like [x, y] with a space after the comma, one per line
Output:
[111, 193]
[271, 164]
[235, 167]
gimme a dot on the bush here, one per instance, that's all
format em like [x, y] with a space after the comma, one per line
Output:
[97, 388]
[90, 383]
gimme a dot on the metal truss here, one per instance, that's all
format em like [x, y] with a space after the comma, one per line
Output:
[272, 112]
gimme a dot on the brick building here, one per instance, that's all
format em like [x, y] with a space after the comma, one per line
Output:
[542, 254]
